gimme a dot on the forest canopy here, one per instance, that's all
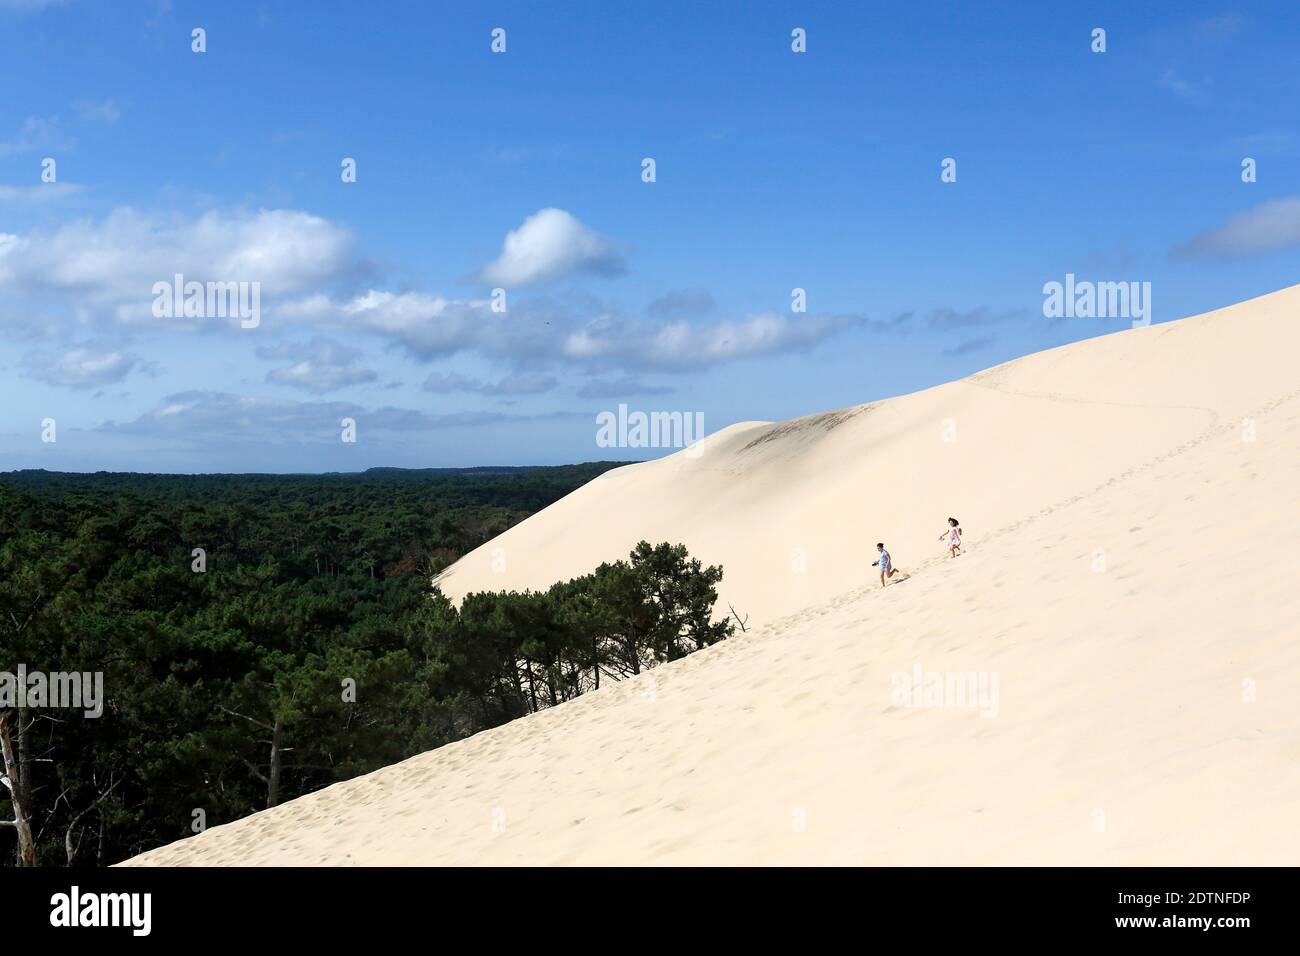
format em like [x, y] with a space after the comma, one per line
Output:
[262, 636]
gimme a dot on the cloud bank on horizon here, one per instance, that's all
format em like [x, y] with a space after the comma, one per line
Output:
[728, 237]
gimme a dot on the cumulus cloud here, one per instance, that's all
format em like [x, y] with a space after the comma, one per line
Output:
[683, 345]
[319, 366]
[549, 245]
[1267, 227]
[82, 367]
[114, 261]
[102, 270]
[434, 326]
[427, 325]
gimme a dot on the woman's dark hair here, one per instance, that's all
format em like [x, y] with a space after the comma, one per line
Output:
[880, 544]
[954, 522]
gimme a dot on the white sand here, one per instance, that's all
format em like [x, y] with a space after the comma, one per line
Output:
[1148, 713]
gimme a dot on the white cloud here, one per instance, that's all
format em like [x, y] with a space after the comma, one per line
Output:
[319, 366]
[1267, 227]
[92, 271]
[435, 326]
[314, 377]
[549, 245]
[114, 261]
[682, 345]
[80, 367]
[427, 325]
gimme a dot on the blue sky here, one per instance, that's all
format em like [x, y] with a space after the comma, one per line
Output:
[522, 171]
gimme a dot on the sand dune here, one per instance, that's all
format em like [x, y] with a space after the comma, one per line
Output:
[1130, 584]
[765, 499]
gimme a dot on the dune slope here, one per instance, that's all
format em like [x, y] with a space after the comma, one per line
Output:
[792, 509]
[1128, 603]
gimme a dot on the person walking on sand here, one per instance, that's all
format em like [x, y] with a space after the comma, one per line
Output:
[953, 534]
[887, 569]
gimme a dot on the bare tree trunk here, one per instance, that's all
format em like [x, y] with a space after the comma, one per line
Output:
[68, 848]
[532, 690]
[272, 777]
[103, 836]
[519, 686]
[14, 782]
[273, 782]
[25, 767]
[550, 685]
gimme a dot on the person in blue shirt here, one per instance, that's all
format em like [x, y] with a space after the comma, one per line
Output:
[887, 569]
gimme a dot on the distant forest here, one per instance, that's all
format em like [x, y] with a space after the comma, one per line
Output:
[263, 636]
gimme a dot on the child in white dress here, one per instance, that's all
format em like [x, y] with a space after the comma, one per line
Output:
[953, 534]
